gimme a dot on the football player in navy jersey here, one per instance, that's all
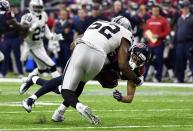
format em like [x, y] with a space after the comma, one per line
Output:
[7, 19]
[9, 23]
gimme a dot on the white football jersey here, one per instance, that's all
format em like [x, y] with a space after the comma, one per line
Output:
[35, 38]
[106, 36]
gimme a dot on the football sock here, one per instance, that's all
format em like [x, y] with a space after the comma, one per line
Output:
[70, 97]
[79, 107]
[65, 103]
[33, 97]
[51, 85]
[79, 88]
[62, 107]
[37, 80]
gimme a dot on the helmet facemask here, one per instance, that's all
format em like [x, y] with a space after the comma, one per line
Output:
[136, 60]
[140, 55]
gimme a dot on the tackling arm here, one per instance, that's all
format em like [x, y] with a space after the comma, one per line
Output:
[123, 62]
[17, 26]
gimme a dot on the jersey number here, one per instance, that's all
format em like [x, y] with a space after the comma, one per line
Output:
[36, 36]
[104, 29]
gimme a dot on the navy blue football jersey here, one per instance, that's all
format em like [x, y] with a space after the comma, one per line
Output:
[3, 21]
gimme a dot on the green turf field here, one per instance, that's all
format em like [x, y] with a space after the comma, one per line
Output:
[153, 108]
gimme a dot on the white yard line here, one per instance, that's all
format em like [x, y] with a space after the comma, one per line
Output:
[70, 110]
[187, 85]
[102, 127]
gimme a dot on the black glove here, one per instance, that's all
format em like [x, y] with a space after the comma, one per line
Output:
[117, 95]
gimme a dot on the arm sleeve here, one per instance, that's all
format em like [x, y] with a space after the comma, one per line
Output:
[49, 35]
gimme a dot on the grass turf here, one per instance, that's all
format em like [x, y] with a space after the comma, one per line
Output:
[153, 108]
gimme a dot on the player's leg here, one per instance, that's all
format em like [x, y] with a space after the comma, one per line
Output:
[32, 80]
[58, 115]
[51, 85]
[34, 74]
[42, 68]
[41, 56]
[84, 65]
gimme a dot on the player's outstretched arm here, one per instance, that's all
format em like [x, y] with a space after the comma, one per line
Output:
[130, 93]
[124, 64]
[18, 26]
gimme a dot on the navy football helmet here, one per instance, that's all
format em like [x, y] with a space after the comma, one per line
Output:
[140, 54]
[4, 6]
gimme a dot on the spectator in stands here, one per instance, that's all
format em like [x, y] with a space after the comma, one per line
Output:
[12, 42]
[140, 19]
[156, 29]
[118, 10]
[81, 21]
[183, 40]
[95, 15]
[64, 26]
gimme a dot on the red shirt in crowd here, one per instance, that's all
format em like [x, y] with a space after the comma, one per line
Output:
[158, 26]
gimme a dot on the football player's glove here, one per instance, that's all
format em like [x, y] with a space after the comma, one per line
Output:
[57, 37]
[117, 95]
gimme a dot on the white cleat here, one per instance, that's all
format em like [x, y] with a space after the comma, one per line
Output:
[87, 113]
[27, 104]
[58, 116]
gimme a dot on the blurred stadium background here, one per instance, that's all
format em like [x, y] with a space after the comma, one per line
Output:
[156, 106]
[77, 15]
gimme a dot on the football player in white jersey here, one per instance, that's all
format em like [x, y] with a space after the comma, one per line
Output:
[89, 57]
[37, 20]
[83, 74]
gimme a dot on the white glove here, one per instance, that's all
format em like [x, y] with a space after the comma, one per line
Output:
[142, 80]
[54, 47]
[57, 37]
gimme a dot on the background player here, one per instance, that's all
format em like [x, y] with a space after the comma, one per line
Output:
[9, 23]
[37, 20]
